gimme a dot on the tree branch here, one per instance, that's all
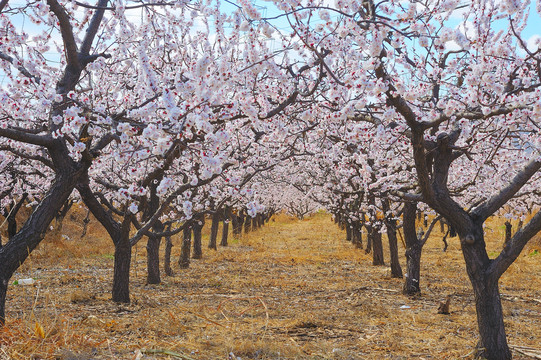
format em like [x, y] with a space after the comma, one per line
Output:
[498, 200]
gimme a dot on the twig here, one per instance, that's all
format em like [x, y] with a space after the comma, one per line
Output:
[528, 351]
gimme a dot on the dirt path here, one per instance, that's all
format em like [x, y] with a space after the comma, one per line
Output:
[291, 290]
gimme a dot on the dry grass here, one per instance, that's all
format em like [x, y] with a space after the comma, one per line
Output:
[292, 290]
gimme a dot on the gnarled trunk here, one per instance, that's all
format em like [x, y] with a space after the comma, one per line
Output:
[492, 339]
[18, 248]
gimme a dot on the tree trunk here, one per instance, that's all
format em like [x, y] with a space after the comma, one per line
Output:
[16, 250]
[255, 222]
[413, 251]
[184, 260]
[247, 224]
[368, 249]
[153, 259]
[225, 227]
[167, 256]
[235, 223]
[197, 251]
[377, 247]
[214, 228]
[492, 339]
[348, 232]
[121, 272]
[356, 234]
[396, 270]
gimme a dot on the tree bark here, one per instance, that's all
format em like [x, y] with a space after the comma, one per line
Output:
[377, 247]
[18, 248]
[121, 272]
[247, 224]
[197, 229]
[216, 217]
[413, 251]
[153, 259]
[396, 269]
[348, 232]
[167, 256]
[492, 339]
[225, 227]
[184, 260]
[235, 223]
[368, 249]
[356, 234]
[255, 222]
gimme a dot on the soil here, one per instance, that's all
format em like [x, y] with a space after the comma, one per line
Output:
[294, 289]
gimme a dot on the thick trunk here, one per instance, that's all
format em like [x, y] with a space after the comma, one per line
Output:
[153, 259]
[413, 251]
[197, 251]
[492, 340]
[377, 247]
[121, 272]
[184, 260]
[167, 256]
[18, 248]
[214, 229]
